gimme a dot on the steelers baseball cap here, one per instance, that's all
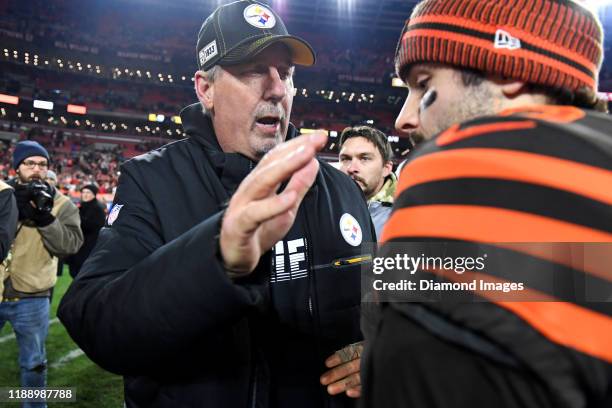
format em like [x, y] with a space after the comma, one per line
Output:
[237, 31]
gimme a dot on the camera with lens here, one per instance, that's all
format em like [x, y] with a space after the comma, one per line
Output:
[39, 194]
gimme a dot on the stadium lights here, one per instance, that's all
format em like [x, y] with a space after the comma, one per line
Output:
[40, 104]
[78, 109]
[348, 5]
[307, 131]
[397, 83]
[597, 3]
[12, 100]
[607, 96]
[154, 117]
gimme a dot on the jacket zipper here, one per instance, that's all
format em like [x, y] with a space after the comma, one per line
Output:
[313, 315]
[254, 392]
[311, 277]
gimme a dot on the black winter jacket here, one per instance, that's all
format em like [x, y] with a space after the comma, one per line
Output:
[92, 219]
[154, 304]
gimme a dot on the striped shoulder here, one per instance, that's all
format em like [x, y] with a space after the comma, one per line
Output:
[516, 177]
[563, 132]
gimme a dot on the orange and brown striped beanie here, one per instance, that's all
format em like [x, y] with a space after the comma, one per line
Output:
[553, 43]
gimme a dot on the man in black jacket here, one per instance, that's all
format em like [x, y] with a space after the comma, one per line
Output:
[93, 215]
[228, 270]
[8, 219]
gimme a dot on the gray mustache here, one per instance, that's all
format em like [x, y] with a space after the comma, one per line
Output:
[270, 110]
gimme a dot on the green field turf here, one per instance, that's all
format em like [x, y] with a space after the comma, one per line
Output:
[94, 386]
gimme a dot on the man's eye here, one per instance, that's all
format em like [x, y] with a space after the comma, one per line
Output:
[285, 74]
[422, 84]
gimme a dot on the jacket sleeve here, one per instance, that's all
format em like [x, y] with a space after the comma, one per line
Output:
[63, 236]
[8, 221]
[140, 303]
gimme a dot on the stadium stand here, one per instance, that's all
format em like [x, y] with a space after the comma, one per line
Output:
[118, 73]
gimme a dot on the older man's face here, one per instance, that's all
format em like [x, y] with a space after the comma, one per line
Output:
[250, 103]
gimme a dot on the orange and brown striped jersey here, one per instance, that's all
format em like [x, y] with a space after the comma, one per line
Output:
[540, 174]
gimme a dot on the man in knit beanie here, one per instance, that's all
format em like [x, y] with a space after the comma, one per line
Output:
[503, 96]
[48, 228]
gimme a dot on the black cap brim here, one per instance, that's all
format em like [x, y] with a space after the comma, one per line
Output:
[301, 52]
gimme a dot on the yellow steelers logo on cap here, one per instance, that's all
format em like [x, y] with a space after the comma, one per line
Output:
[259, 16]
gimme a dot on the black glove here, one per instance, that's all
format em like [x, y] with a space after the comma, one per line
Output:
[42, 218]
[23, 196]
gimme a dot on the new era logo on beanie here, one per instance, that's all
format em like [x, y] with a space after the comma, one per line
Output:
[237, 31]
[551, 43]
[505, 40]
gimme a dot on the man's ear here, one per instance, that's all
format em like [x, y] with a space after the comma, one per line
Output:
[387, 168]
[511, 88]
[205, 90]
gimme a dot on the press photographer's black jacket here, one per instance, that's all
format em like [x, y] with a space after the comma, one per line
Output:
[154, 304]
[8, 218]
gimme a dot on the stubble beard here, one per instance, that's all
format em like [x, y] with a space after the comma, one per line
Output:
[479, 101]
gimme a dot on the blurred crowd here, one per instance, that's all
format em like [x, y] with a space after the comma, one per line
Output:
[75, 167]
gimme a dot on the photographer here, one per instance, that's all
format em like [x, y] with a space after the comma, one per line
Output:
[48, 227]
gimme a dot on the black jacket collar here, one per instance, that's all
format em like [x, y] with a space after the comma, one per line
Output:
[231, 168]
